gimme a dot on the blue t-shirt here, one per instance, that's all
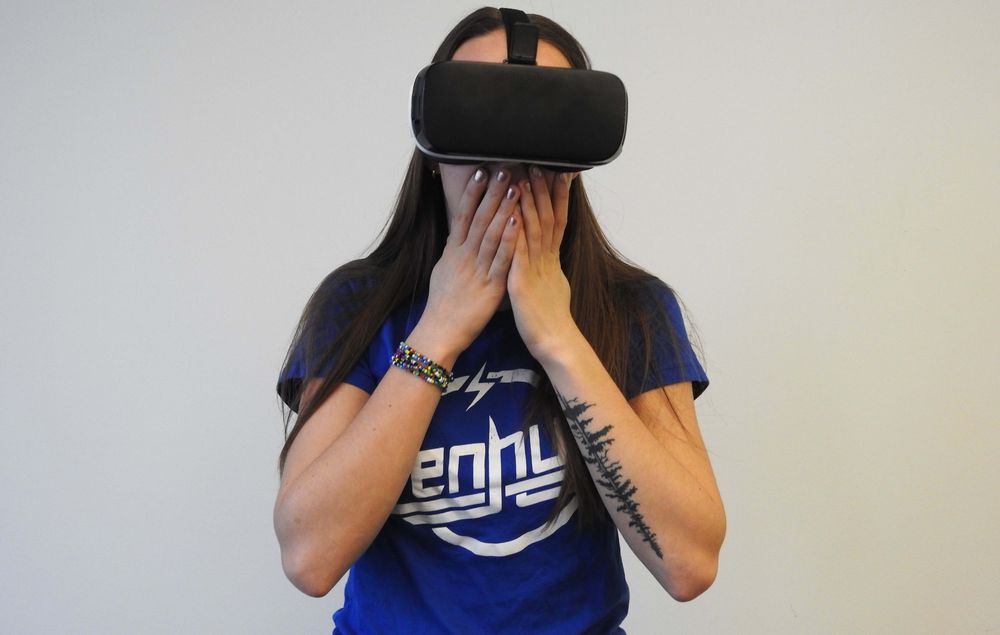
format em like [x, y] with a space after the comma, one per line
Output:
[467, 548]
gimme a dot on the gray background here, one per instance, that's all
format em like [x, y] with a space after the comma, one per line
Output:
[819, 181]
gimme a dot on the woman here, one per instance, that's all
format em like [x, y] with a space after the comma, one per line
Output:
[486, 401]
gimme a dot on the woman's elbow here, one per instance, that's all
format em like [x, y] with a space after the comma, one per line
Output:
[690, 576]
[694, 583]
[702, 567]
[302, 571]
[306, 563]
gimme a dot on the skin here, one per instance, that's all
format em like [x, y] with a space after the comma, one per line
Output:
[499, 246]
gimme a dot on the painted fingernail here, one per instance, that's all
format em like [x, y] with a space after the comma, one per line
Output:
[510, 193]
[501, 175]
[535, 172]
[526, 186]
[480, 175]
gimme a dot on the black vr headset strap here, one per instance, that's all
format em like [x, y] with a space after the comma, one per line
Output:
[522, 37]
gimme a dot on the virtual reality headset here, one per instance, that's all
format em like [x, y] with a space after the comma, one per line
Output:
[562, 119]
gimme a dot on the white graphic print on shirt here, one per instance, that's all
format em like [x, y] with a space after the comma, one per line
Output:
[440, 503]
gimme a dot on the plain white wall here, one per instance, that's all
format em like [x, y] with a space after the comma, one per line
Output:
[819, 181]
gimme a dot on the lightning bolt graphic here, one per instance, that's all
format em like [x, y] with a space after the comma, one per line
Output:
[475, 385]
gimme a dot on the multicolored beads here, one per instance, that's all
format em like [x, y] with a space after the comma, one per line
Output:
[410, 360]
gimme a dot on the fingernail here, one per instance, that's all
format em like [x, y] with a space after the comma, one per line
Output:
[512, 221]
[480, 175]
[563, 176]
[501, 175]
[526, 186]
[535, 172]
[510, 193]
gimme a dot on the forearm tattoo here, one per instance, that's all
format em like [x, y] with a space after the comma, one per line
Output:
[594, 446]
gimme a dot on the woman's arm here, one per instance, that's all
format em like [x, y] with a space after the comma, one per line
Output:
[650, 466]
[345, 470]
[646, 457]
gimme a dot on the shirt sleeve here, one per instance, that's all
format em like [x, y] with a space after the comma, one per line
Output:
[312, 354]
[671, 357]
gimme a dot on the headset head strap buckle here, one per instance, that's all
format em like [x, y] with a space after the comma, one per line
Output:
[522, 37]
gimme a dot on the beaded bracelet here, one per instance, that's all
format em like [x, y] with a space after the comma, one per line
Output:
[408, 359]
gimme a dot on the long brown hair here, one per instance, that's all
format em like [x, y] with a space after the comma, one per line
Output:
[610, 298]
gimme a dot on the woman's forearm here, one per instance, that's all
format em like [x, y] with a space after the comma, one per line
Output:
[328, 514]
[662, 496]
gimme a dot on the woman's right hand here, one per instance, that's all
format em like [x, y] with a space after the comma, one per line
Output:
[469, 281]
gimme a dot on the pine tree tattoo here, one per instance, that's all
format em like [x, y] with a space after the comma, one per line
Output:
[595, 445]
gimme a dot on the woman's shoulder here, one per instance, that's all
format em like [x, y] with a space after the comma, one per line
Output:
[643, 291]
[662, 352]
[344, 290]
[654, 309]
[352, 278]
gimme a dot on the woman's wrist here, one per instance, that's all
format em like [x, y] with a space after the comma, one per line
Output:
[561, 351]
[432, 339]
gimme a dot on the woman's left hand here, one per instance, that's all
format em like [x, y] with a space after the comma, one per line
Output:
[538, 288]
